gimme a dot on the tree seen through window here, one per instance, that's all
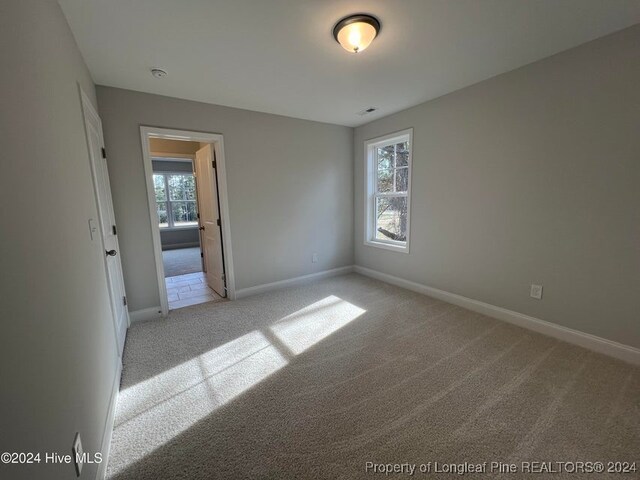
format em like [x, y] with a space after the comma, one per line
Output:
[175, 199]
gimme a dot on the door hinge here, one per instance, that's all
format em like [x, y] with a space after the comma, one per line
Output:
[224, 278]
[201, 255]
[104, 153]
[198, 216]
[218, 222]
[124, 301]
[213, 164]
[113, 229]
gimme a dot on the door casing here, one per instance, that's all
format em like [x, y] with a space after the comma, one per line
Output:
[217, 141]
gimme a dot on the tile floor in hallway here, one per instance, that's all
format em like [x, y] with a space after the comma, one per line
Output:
[189, 289]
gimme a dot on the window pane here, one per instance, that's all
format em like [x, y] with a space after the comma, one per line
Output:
[385, 181]
[184, 213]
[182, 187]
[391, 219]
[385, 157]
[162, 214]
[158, 184]
[402, 179]
[402, 154]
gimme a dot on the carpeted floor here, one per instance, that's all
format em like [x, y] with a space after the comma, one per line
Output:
[316, 381]
[181, 261]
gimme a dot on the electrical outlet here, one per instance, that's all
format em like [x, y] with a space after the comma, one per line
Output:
[536, 291]
[314, 258]
[78, 454]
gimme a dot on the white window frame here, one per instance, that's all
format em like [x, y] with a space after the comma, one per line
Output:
[370, 193]
[170, 221]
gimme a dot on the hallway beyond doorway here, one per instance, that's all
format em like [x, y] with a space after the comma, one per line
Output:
[181, 261]
[189, 289]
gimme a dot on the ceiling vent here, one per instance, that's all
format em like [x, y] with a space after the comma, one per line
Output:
[367, 111]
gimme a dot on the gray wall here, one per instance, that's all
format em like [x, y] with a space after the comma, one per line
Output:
[58, 346]
[179, 238]
[172, 166]
[183, 237]
[290, 188]
[530, 177]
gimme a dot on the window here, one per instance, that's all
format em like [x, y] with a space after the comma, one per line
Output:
[388, 187]
[176, 199]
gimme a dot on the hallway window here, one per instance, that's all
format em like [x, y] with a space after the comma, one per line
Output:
[176, 199]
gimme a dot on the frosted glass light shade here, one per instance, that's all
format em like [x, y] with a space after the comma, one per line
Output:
[356, 33]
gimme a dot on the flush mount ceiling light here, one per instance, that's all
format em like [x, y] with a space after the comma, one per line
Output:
[356, 32]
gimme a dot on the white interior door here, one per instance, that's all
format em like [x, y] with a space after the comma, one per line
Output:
[211, 233]
[107, 222]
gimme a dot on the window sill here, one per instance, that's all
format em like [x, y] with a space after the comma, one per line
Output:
[388, 246]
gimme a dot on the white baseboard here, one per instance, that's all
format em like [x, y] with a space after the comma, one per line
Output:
[601, 345]
[108, 424]
[150, 313]
[292, 282]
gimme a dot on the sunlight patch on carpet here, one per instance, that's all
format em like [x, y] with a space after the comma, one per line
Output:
[158, 409]
[180, 397]
[306, 327]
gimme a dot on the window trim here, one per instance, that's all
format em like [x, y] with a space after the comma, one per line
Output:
[370, 186]
[170, 223]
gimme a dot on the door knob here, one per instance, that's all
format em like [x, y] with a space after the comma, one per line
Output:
[111, 253]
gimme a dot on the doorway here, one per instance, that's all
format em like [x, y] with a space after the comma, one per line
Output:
[186, 183]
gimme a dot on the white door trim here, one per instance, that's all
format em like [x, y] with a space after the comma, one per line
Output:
[218, 144]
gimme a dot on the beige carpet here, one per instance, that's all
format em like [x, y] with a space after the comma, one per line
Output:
[316, 381]
[181, 261]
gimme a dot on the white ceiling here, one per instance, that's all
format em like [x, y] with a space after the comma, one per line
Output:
[279, 56]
